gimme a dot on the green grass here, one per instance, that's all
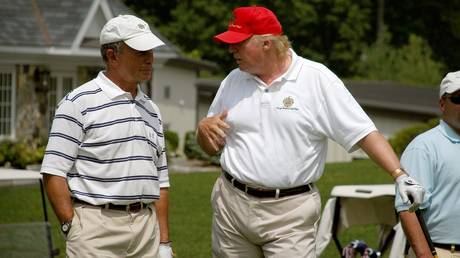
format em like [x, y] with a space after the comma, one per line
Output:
[190, 210]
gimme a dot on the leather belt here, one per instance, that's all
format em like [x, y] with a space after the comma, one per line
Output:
[132, 207]
[450, 247]
[267, 193]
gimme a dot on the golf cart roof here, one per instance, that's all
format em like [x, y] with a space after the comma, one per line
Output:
[363, 191]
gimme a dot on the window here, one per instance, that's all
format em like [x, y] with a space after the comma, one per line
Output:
[60, 86]
[67, 85]
[52, 101]
[7, 99]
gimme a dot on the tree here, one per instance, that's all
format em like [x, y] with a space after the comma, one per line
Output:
[436, 21]
[411, 63]
[333, 32]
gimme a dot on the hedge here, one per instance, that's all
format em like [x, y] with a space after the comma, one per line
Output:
[402, 138]
[193, 151]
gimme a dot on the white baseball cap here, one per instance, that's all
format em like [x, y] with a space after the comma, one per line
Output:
[132, 30]
[450, 83]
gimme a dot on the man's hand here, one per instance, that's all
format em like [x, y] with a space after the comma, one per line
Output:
[166, 251]
[407, 186]
[212, 132]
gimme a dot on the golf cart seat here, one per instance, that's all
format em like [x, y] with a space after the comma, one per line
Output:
[351, 205]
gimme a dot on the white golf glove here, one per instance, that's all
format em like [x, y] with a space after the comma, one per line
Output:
[166, 251]
[407, 186]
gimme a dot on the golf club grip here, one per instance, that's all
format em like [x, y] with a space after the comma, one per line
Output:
[421, 221]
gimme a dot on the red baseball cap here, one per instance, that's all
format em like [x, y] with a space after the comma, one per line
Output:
[248, 21]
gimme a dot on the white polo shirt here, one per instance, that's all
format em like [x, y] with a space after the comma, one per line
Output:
[278, 135]
[109, 146]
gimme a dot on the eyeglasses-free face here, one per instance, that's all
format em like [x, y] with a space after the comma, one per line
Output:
[453, 98]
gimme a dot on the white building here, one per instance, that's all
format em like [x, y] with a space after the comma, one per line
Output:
[49, 47]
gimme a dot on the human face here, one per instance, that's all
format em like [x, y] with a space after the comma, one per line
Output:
[451, 111]
[249, 55]
[134, 66]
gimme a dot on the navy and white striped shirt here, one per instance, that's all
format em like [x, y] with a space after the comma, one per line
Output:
[110, 146]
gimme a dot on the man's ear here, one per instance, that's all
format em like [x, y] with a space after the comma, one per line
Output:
[111, 56]
[267, 44]
[442, 103]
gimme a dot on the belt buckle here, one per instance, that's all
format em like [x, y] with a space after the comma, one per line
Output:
[452, 248]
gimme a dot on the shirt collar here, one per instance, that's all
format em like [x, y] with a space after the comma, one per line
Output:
[448, 132]
[113, 91]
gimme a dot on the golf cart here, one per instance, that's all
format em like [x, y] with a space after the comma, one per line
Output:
[29, 239]
[351, 205]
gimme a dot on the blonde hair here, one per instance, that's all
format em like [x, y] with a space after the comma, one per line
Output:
[281, 44]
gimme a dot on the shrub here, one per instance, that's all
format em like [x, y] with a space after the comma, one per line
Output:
[193, 151]
[411, 64]
[172, 142]
[402, 138]
[20, 154]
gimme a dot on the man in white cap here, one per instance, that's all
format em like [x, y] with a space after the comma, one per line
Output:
[105, 167]
[433, 160]
[272, 118]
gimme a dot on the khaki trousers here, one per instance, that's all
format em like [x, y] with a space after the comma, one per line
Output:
[442, 253]
[103, 233]
[249, 227]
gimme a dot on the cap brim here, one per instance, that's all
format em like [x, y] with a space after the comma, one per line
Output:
[452, 88]
[231, 37]
[144, 42]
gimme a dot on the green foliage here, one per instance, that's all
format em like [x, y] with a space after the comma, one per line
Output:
[436, 21]
[401, 139]
[172, 142]
[20, 154]
[411, 64]
[193, 151]
[333, 32]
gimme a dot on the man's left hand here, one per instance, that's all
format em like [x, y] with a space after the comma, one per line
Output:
[166, 251]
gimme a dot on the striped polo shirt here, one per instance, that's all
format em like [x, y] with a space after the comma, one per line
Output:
[109, 146]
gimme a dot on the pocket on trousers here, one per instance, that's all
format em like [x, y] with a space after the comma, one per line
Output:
[76, 227]
[217, 187]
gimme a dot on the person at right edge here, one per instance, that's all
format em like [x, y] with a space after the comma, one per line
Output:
[433, 159]
[271, 118]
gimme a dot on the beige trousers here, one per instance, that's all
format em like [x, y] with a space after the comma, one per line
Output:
[104, 233]
[249, 227]
[442, 253]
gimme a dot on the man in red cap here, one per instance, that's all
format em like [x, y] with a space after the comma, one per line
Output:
[271, 118]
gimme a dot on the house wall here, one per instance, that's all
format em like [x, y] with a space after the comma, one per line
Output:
[179, 110]
[387, 122]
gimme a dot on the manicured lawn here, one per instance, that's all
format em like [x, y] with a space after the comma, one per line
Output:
[190, 211]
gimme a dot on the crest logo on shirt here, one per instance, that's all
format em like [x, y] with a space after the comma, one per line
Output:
[288, 104]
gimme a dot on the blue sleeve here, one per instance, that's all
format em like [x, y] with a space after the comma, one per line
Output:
[419, 165]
